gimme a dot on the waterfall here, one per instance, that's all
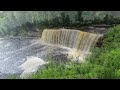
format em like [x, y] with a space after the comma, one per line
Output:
[79, 41]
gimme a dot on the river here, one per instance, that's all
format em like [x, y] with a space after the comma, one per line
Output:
[15, 51]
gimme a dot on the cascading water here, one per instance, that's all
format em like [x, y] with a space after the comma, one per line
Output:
[23, 56]
[79, 41]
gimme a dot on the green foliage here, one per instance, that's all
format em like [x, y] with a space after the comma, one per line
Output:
[64, 20]
[109, 19]
[55, 71]
[74, 71]
[79, 17]
[67, 20]
[118, 74]
[112, 58]
[106, 18]
[108, 55]
[13, 76]
[97, 21]
[103, 72]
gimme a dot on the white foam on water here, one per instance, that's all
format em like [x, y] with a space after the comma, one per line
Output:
[78, 43]
[31, 66]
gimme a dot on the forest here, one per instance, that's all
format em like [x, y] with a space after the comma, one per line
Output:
[19, 23]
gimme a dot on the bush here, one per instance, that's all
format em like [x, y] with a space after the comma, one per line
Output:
[108, 56]
[112, 37]
[118, 74]
[112, 59]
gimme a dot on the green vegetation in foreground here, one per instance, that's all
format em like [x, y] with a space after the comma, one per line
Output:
[104, 63]
[74, 71]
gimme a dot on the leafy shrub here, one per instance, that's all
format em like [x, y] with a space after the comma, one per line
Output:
[112, 59]
[118, 74]
[112, 37]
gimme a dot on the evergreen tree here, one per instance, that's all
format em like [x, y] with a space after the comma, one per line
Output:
[78, 17]
[117, 20]
[97, 21]
[62, 19]
[67, 20]
[109, 19]
[54, 22]
[106, 19]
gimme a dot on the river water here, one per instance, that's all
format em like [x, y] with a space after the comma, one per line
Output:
[15, 51]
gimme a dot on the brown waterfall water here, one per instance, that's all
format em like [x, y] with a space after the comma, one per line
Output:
[78, 41]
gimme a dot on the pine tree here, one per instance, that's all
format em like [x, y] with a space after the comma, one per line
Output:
[78, 17]
[62, 19]
[67, 20]
[109, 19]
[55, 22]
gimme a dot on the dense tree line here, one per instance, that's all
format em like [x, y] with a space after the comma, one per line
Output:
[15, 22]
[65, 21]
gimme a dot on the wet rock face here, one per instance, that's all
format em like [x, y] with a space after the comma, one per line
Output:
[99, 42]
[58, 57]
[99, 30]
[54, 54]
